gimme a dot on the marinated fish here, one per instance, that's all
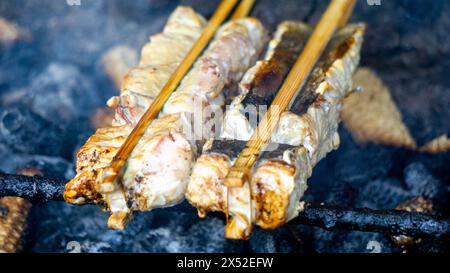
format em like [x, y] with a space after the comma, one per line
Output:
[139, 87]
[157, 171]
[258, 87]
[304, 135]
[159, 59]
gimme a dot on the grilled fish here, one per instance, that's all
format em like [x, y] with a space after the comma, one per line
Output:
[257, 87]
[156, 173]
[159, 59]
[139, 87]
[304, 135]
[158, 169]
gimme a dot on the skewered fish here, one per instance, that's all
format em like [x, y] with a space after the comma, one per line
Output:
[157, 171]
[160, 178]
[139, 87]
[304, 135]
[258, 87]
[159, 59]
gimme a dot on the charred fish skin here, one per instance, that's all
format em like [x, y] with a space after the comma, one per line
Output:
[260, 83]
[139, 87]
[205, 190]
[158, 170]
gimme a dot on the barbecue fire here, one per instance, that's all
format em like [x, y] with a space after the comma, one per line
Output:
[380, 177]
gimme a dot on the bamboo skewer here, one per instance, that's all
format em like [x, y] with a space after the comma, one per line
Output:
[336, 15]
[243, 9]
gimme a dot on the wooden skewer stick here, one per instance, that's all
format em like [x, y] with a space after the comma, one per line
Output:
[243, 9]
[336, 15]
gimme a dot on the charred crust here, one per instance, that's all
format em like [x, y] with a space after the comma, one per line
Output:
[229, 147]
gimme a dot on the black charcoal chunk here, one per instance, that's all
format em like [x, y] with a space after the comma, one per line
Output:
[61, 93]
[325, 241]
[281, 240]
[341, 194]
[382, 194]
[170, 230]
[47, 166]
[357, 166]
[26, 132]
[421, 182]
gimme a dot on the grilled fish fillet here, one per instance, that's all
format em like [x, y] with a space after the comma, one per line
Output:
[258, 87]
[157, 171]
[159, 59]
[139, 87]
[305, 134]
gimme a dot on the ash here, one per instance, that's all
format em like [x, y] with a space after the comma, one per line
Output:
[51, 85]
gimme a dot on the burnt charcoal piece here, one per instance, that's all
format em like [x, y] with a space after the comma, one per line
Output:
[436, 164]
[341, 194]
[281, 240]
[61, 94]
[357, 166]
[350, 242]
[27, 132]
[381, 194]
[272, 12]
[421, 182]
[169, 230]
[46, 166]
[206, 8]
[425, 109]
[15, 64]
[419, 13]
[32, 188]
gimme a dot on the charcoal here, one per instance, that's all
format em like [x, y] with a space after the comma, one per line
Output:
[412, 41]
[52, 167]
[61, 94]
[26, 132]
[324, 241]
[421, 182]
[341, 194]
[358, 166]
[437, 164]
[273, 241]
[15, 64]
[171, 230]
[425, 108]
[382, 194]
[205, 8]
[289, 10]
